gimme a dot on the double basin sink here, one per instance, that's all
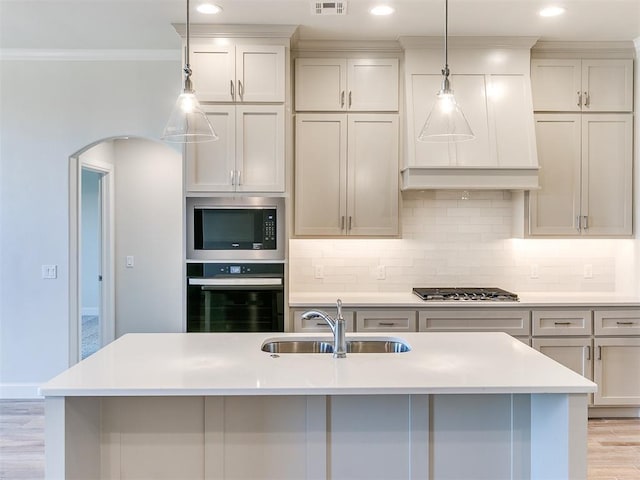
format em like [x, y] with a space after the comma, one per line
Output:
[379, 345]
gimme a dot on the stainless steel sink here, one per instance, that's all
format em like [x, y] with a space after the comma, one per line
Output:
[298, 346]
[382, 345]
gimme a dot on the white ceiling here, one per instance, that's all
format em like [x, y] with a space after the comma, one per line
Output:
[146, 24]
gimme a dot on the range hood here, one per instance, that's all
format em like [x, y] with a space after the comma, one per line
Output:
[490, 77]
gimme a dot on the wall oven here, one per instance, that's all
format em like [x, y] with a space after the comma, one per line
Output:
[235, 228]
[235, 297]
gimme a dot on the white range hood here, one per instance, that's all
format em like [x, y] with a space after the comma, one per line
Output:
[490, 77]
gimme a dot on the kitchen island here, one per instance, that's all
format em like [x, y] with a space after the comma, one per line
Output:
[215, 406]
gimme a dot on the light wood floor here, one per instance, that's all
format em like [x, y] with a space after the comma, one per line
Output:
[614, 444]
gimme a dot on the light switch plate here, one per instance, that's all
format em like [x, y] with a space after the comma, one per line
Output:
[49, 272]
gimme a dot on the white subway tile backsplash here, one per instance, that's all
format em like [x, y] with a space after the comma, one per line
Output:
[448, 241]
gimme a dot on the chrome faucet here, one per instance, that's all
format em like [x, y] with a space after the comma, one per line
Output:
[337, 327]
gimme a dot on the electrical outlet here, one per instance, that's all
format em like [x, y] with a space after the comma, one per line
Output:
[535, 272]
[381, 273]
[319, 272]
[49, 272]
[588, 271]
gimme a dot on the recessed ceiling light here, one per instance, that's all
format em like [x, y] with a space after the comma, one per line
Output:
[552, 11]
[209, 8]
[382, 10]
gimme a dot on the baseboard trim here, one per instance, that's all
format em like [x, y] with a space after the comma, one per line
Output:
[614, 412]
[19, 391]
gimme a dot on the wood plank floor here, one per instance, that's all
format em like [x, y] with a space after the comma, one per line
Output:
[614, 444]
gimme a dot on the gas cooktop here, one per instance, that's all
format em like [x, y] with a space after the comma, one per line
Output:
[484, 294]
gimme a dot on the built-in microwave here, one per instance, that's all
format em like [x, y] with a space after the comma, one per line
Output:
[235, 228]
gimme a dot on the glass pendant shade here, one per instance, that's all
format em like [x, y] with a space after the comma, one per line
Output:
[446, 122]
[188, 123]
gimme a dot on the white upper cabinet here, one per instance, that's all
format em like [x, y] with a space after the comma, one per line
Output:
[247, 157]
[582, 85]
[346, 180]
[238, 73]
[338, 84]
[585, 175]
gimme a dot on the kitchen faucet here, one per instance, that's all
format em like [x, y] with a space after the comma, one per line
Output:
[337, 326]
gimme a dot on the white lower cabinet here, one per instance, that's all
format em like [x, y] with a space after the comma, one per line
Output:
[617, 371]
[386, 320]
[574, 353]
[515, 322]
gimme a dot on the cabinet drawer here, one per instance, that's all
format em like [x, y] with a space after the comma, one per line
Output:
[317, 324]
[511, 321]
[617, 322]
[386, 321]
[561, 322]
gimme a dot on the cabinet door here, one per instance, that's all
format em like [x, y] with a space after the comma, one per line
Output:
[210, 166]
[386, 320]
[616, 371]
[372, 175]
[573, 353]
[556, 85]
[607, 85]
[554, 209]
[320, 84]
[260, 73]
[260, 148]
[213, 72]
[320, 174]
[372, 84]
[607, 153]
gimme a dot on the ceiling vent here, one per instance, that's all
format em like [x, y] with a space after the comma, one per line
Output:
[329, 8]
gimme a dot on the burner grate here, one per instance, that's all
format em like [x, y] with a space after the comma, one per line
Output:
[465, 294]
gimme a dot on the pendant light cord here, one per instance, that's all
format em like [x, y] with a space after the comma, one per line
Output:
[445, 72]
[187, 66]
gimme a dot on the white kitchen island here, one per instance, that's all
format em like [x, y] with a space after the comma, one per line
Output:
[460, 406]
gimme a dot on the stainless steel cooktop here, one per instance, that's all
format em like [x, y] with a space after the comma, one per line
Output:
[461, 294]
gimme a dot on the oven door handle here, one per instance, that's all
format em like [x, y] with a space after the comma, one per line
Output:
[235, 282]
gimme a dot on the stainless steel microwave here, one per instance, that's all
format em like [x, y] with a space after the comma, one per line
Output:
[235, 228]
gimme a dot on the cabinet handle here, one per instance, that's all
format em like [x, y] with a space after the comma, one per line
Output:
[342, 99]
[342, 222]
[579, 98]
[232, 90]
[587, 99]
[585, 222]
[562, 323]
[240, 90]
[625, 323]
[321, 324]
[578, 221]
[239, 176]
[588, 352]
[387, 324]
[232, 175]
[599, 352]
[350, 219]
[349, 98]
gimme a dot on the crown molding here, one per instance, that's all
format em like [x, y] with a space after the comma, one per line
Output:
[613, 49]
[409, 42]
[81, 55]
[328, 46]
[202, 30]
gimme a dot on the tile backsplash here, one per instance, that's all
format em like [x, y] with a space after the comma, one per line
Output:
[459, 238]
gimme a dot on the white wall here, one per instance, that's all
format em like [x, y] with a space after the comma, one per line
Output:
[148, 223]
[451, 241]
[50, 110]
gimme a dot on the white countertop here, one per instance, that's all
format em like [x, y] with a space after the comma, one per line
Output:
[163, 364]
[408, 299]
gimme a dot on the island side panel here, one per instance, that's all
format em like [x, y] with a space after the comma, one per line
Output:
[559, 436]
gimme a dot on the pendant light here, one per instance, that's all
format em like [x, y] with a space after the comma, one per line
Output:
[446, 122]
[188, 123]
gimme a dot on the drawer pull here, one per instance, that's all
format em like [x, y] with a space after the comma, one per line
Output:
[321, 324]
[387, 324]
[625, 323]
[561, 323]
